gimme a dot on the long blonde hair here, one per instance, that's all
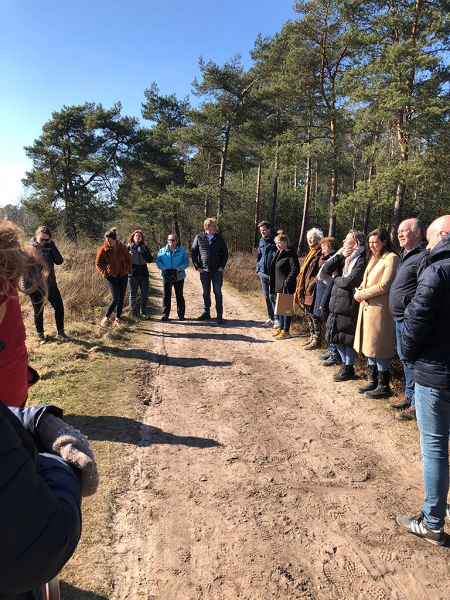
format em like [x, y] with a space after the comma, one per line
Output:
[17, 260]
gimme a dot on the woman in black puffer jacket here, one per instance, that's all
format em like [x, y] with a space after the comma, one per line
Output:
[350, 263]
[138, 278]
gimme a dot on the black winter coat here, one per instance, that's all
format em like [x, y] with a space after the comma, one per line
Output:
[140, 256]
[40, 497]
[426, 331]
[284, 271]
[343, 308]
[209, 255]
[52, 257]
[405, 283]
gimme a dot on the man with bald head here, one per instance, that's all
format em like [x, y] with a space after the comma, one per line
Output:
[426, 343]
[413, 259]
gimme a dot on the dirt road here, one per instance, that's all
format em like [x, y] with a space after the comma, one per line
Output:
[257, 477]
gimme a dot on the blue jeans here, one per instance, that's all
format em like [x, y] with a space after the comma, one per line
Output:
[135, 283]
[265, 288]
[433, 419]
[407, 366]
[382, 364]
[348, 355]
[285, 322]
[216, 279]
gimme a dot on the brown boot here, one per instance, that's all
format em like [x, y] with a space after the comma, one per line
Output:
[309, 341]
[401, 404]
[409, 414]
[313, 343]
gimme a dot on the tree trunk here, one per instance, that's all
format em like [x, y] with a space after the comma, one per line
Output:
[176, 227]
[333, 181]
[301, 241]
[257, 206]
[223, 164]
[273, 208]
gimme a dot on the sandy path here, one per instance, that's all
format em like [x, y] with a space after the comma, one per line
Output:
[257, 477]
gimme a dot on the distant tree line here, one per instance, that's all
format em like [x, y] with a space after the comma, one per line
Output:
[341, 121]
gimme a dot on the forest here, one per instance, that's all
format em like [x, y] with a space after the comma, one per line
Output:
[342, 120]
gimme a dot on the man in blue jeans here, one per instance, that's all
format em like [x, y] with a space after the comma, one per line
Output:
[209, 255]
[413, 260]
[425, 343]
[266, 250]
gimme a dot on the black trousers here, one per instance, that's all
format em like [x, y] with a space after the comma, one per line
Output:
[117, 287]
[167, 298]
[54, 297]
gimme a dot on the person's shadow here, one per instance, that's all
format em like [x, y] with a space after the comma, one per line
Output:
[128, 431]
[68, 592]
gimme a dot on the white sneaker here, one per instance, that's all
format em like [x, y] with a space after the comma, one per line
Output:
[276, 324]
[268, 323]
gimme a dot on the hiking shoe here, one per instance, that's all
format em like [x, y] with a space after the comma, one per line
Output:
[164, 318]
[345, 374]
[268, 323]
[219, 321]
[276, 332]
[325, 355]
[104, 322]
[334, 359]
[283, 335]
[143, 315]
[416, 526]
[62, 337]
[401, 404]
[313, 344]
[183, 318]
[409, 414]
[42, 339]
[204, 317]
[117, 322]
[276, 324]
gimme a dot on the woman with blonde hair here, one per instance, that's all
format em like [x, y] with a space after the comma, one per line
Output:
[375, 330]
[114, 263]
[16, 260]
[347, 268]
[283, 277]
[44, 246]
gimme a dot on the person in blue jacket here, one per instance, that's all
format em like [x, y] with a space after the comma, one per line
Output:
[266, 249]
[173, 262]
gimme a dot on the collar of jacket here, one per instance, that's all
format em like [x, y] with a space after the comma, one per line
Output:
[441, 247]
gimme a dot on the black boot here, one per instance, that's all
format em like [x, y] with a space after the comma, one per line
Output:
[382, 391]
[204, 316]
[347, 372]
[373, 380]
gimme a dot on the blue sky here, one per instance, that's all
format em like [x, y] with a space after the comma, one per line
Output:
[60, 52]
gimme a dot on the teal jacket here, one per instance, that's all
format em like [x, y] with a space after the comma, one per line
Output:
[178, 259]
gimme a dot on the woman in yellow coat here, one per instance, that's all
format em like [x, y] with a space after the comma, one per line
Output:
[375, 329]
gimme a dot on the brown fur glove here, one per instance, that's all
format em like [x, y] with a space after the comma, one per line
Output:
[72, 446]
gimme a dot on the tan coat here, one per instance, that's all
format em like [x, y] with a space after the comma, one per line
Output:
[375, 329]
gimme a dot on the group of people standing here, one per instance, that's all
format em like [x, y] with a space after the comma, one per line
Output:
[121, 264]
[370, 299]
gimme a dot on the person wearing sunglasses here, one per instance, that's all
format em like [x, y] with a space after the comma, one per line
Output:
[44, 246]
[173, 261]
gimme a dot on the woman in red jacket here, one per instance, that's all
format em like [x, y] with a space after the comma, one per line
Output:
[15, 259]
[114, 262]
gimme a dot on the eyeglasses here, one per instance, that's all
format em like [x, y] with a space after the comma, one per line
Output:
[44, 239]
